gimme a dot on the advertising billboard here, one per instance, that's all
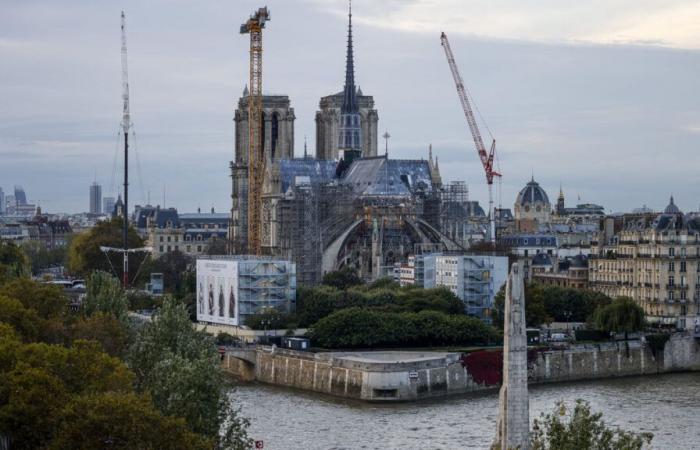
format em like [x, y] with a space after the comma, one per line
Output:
[217, 292]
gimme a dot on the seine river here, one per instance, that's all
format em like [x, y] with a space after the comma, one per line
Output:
[666, 405]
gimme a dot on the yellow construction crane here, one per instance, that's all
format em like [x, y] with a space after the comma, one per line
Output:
[256, 157]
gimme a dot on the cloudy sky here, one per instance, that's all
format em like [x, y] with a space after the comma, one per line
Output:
[602, 96]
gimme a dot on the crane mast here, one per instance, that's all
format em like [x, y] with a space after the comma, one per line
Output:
[126, 124]
[256, 157]
[486, 158]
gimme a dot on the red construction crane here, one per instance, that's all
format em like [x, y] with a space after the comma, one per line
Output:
[485, 157]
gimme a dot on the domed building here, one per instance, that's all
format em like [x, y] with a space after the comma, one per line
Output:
[532, 208]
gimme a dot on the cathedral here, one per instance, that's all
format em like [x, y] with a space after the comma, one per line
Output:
[346, 206]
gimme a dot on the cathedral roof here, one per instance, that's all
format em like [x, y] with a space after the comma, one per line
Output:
[531, 193]
[381, 176]
[318, 171]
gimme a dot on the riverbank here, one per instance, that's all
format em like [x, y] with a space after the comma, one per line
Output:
[406, 376]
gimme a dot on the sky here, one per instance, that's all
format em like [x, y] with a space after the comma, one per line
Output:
[600, 97]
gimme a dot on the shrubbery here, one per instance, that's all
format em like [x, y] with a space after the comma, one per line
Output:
[384, 295]
[358, 327]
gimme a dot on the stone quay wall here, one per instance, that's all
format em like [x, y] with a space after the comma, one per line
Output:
[444, 374]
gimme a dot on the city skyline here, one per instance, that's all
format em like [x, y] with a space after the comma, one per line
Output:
[567, 108]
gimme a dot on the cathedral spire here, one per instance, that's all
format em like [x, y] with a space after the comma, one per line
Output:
[349, 127]
[349, 93]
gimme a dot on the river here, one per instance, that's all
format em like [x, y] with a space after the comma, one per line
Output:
[666, 405]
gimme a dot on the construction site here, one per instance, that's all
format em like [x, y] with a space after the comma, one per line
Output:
[345, 205]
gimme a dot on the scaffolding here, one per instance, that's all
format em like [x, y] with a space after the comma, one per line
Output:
[300, 232]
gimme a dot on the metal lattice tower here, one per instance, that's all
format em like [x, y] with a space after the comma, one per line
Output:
[256, 158]
[126, 124]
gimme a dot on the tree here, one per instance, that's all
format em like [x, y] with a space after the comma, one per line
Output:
[41, 258]
[105, 329]
[623, 315]
[48, 301]
[580, 429]
[179, 366]
[14, 262]
[85, 256]
[535, 311]
[342, 279]
[105, 295]
[173, 265]
[109, 419]
[271, 319]
[24, 321]
[217, 247]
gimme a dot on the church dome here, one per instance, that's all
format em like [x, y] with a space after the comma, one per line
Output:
[532, 193]
[672, 208]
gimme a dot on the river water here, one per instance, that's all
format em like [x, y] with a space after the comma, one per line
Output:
[666, 405]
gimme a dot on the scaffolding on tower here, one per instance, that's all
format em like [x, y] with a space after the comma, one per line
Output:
[256, 157]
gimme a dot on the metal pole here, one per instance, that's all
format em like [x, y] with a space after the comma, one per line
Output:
[126, 210]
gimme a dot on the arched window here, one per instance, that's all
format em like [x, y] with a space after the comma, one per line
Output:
[274, 133]
[262, 133]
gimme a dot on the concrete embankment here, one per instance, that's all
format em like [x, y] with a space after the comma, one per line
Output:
[411, 375]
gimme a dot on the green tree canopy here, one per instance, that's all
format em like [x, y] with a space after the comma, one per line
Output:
[623, 315]
[85, 256]
[105, 295]
[566, 429]
[107, 420]
[179, 366]
[342, 279]
[359, 327]
[14, 263]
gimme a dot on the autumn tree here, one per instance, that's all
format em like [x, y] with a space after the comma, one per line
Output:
[579, 428]
[85, 255]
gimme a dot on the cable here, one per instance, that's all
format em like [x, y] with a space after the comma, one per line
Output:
[138, 165]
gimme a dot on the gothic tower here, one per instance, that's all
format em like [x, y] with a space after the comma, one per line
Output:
[278, 143]
[346, 121]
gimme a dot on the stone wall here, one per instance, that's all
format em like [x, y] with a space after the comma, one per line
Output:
[329, 373]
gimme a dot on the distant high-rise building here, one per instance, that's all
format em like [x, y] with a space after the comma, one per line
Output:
[2, 202]
[95, 198]
[10, 205]
[20, 196]
[108, 205]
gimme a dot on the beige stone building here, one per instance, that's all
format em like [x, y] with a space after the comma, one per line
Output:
[655, 261]
[532, 208]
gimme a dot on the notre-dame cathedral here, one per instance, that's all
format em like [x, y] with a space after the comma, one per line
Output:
[345, 206]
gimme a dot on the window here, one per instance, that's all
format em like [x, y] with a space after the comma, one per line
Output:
[670, 296]
[199, 248]
[177, 238]
[683, 266]
[168, 238]
[671, 266]
[671, 280]
[160, 249]
[169, 248]
[671, 251]
[177, 247]
[188, 249]
[161, 238]
[682, 251]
